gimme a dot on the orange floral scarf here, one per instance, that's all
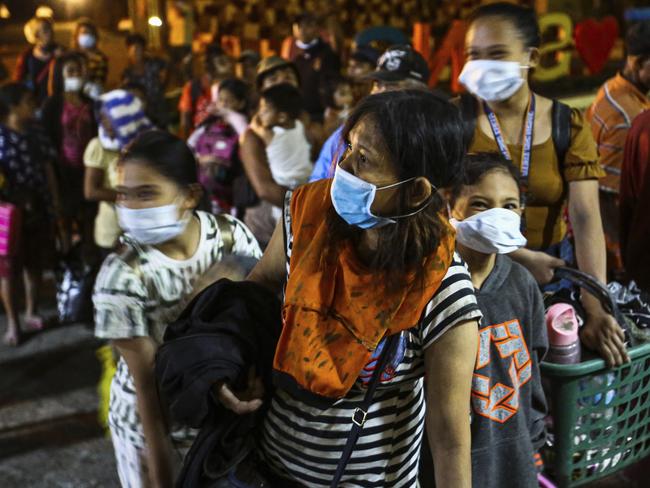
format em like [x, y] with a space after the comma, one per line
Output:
[336, 314]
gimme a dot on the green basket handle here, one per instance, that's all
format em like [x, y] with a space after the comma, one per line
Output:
[593, 365]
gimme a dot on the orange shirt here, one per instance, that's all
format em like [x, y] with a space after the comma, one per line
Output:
[336, 310]
[616, 105]
[196, 104]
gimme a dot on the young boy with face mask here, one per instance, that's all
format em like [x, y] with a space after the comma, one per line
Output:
[508, 404]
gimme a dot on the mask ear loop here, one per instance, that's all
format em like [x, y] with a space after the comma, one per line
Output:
[422, 207]
[395, 184]
[527, 65]
[187, 213]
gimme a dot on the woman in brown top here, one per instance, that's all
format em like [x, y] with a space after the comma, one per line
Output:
[501, 45]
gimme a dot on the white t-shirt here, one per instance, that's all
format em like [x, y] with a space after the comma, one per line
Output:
[289, 156]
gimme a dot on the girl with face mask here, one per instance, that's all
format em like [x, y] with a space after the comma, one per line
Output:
[502, 46]
[486, 210]
[168, 246]
[70, 121]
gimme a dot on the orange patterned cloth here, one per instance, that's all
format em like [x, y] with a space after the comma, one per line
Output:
[336, 312]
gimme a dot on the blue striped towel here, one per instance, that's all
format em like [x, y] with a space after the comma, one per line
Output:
[126, 114]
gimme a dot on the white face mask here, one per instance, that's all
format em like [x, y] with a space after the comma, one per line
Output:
[107, 141]
[490, 80]
[73, 84]
[306, 45]
[87, 41]
[494, 231]
[152, 225]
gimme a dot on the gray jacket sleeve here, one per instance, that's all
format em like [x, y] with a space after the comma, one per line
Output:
[539, 347]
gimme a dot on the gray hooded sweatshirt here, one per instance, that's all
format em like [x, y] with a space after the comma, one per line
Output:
[508, 403]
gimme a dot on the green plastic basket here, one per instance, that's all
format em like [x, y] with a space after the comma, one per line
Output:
[601, 417]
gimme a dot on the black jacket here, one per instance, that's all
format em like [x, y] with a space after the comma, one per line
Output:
[315, 65]
[227, 329]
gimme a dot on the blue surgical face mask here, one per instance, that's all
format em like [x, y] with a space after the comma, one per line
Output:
[352, 198]
[87, 41]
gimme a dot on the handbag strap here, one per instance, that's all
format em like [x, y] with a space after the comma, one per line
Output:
[227, 236]
[360, 413]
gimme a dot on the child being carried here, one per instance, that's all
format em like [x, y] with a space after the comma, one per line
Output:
[277, 123]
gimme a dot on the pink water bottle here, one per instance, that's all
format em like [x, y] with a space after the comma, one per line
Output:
[562, 326]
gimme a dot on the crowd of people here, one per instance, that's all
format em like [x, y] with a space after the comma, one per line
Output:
[319, 279]
[266, 19]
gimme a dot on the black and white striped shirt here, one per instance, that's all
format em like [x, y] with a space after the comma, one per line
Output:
[304, 443]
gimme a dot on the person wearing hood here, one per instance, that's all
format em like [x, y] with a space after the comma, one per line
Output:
[101, 156]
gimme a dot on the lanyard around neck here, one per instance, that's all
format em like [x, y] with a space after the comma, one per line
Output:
[526, 147]
[527, 143]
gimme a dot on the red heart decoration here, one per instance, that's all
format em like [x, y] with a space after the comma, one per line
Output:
[594, 41]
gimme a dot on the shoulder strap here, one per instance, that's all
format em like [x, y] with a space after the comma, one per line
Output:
[360, 413]
[227, 236]
[561, 129]
[131, 257]
[467, 104]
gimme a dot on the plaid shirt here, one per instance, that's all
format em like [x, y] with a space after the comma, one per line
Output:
[616, 105]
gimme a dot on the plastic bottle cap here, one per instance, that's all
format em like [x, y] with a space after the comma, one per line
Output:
[561, 324]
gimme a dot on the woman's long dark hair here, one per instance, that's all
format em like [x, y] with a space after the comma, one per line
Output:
[423, 136]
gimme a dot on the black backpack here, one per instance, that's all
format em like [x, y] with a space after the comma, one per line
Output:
[560, 132]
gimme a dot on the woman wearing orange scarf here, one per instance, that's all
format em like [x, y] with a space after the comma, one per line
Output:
[364, 257]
